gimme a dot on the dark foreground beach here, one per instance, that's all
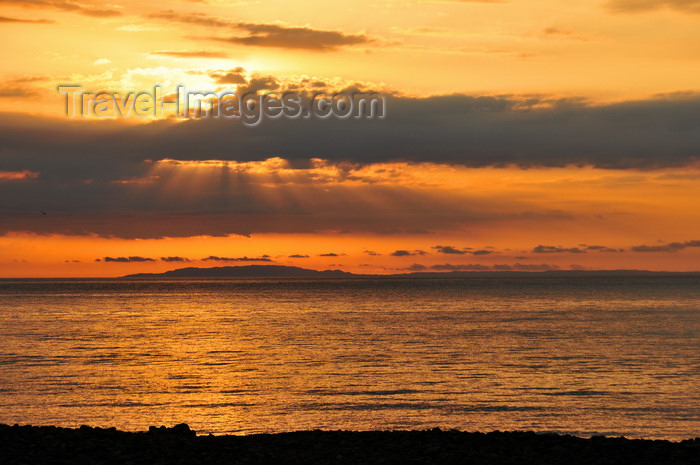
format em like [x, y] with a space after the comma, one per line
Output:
[180, 445]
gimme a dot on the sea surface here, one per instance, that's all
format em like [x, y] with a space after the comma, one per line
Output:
[613, 356]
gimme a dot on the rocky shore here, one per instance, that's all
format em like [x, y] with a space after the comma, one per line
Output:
[180, 445]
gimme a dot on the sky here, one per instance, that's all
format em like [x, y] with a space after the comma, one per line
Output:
[517, 135]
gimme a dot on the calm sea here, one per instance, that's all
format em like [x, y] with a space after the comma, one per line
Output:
[614, 356]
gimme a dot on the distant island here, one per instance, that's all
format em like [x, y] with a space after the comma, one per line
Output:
[245, 271]
[281, 271]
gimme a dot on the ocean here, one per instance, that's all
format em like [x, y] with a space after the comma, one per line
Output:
[583, 356]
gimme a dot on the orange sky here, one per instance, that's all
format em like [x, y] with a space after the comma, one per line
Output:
[523, 135]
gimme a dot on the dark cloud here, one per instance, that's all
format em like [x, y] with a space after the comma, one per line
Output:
[83, 208]
[446, 249]
[213, 258]
[86, 8]
[671, 247]
[602, 248]
[470, 267]
[330, 254]
[371, 253]
[482, 252]
[406, 253]
[83, 165]
[634, 6]
[174, 259]
[127, 259]
[190, 53]
[5, 19]
[502, 267]
[535, 267]
[274, 35]
[298, 256]
[268, 35]
[470, 131]
[554, 249]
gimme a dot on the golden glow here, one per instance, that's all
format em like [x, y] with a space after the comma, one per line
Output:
[509, 212]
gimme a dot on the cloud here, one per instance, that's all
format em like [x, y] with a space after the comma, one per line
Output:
[671, 247]
[535, 267]
[268, 35]
[330, 254]
[247, 192]
[274, 35]
[18, 92]
[197, 19]
[167, 198]
[190, 53]
[554, 249]
[174, 259]
[234, 76]
[635, 6]
[480, 267]
[561, 34]
[127, 259]
[528, 267]
[213, 258]
[415, 267]
[21, 87]
[449, 250]
[446, 249]
[555, 31]
[502, 267]
[406, 253]
[602, 248]
[456, 129]
[482, 252]
[298, 256]
[102, 61]
[470, 267]
[83, 7]
[5, 19]
[371, 253]
[85, 199]
[17, 175]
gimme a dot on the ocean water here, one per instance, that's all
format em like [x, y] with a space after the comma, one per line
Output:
[614, 356]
